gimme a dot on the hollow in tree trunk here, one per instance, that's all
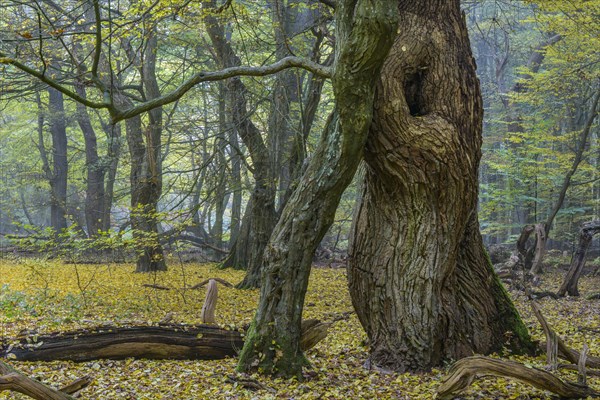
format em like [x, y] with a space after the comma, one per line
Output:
[420, 280]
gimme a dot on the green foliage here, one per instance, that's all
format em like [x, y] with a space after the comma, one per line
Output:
[531, 137]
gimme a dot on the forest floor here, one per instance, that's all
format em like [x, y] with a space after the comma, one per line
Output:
[49, 296]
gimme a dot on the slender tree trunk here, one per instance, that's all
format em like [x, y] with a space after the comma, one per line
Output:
[420, 280]
[365, 31]
[113, 155]
[94, 192]
[248, 251]
[581, 144]
[236, 188]
[58, 180]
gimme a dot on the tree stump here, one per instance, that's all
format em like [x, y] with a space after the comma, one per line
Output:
[210, 303]
[569, 285]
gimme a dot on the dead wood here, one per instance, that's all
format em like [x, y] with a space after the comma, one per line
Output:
[177, 342]
[540, 248]
[313, 331]
[464, 372]
[573, 367]
[12, 380]
[248, 382]
[152, 342]
[76, 385]
[207, 314]
[565, 351]
[203, 283]
[570, 283]
[155, 286]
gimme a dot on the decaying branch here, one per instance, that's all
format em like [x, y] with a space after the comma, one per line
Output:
[12, 380]
[565, 351]
[569, 285]
[464, 372]
[218, 280]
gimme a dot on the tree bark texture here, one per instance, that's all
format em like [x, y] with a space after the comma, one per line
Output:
[172, 342]
[95, 170]
[146, 169]
[365, 31]
[60, 166]
[587, 232]
[420, 280]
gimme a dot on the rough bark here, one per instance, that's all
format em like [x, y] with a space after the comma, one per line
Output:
[173, 342]
[570, 283]
[420, 279]
[365, 31]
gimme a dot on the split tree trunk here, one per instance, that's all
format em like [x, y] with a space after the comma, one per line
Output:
[420, 280]
[365, 31]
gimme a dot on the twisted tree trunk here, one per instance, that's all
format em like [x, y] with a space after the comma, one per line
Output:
[421, 282]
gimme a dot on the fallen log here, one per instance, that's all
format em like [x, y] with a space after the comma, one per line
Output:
[463, 373]
[152, 342]
[175, 342]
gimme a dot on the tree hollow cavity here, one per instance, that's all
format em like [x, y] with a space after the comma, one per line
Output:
[413, 92]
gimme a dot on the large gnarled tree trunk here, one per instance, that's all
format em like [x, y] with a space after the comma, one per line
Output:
[420, 280]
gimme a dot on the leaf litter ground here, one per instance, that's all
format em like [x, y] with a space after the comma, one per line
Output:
[38, 296]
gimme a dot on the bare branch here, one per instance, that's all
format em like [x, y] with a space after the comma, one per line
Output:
[284, 63]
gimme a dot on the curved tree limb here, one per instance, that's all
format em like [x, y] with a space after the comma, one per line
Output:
[464, 372]
[120, 115]
[11, 379]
